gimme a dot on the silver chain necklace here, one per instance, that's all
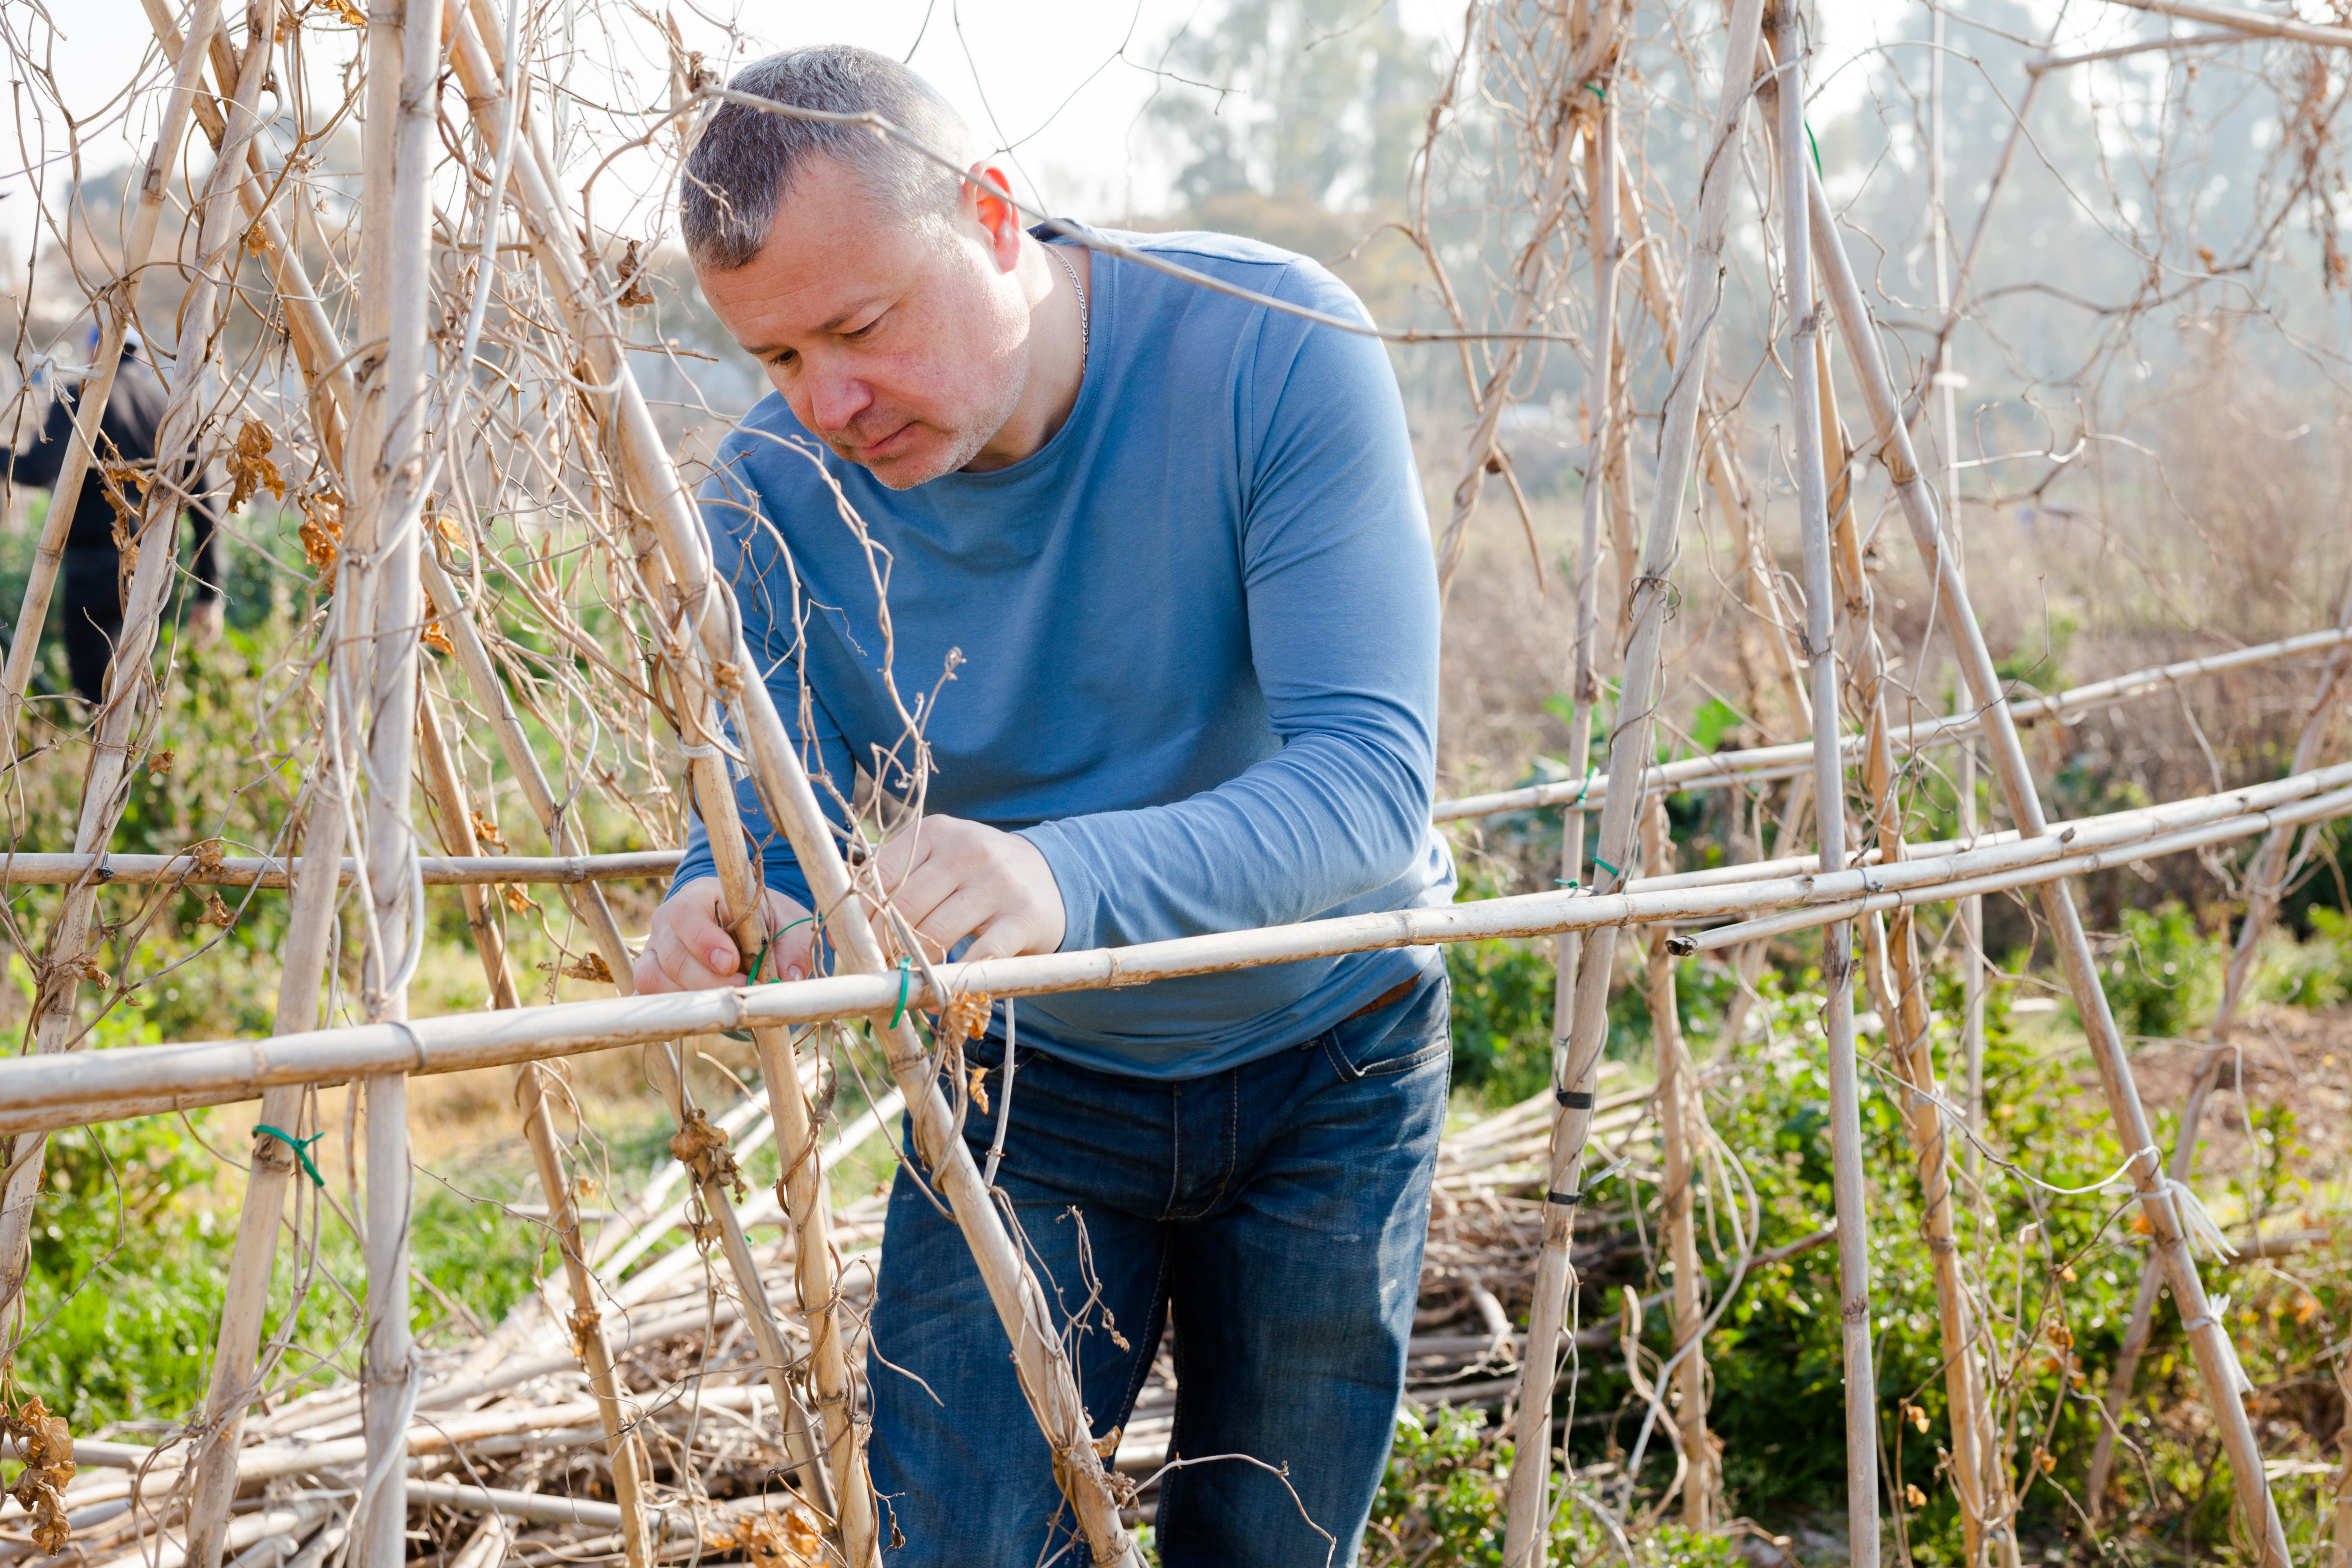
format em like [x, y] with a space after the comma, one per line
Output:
[1083, 334]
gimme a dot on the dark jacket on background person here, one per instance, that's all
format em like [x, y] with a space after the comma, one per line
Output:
[91, 568]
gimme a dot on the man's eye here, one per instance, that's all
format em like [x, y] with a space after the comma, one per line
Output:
[784, 361]
[866, 330]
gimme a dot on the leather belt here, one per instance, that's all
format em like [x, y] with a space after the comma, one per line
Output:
[1387, 998]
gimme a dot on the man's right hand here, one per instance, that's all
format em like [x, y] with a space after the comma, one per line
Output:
[690, 948]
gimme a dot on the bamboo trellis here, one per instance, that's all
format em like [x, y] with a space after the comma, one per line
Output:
[406, 402]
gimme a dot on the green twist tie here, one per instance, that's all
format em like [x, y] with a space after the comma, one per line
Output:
[301, 1147]
[761, 956]
[1607, 867]
[906, 966]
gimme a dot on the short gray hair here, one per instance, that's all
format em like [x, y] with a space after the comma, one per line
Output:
[744, 161]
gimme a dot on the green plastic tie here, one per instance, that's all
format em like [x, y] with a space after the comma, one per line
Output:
[761, 956]
[1607, 867]
[906, 968]
[301, 1147]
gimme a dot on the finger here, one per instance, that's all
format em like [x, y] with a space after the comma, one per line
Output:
[958, 916]
[651, 981]
[793, 958]
[930, 885]
[1005, 936]
[675, 952]
[900, 856]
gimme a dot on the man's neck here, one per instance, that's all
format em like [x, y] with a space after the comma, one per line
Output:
[1057, 360]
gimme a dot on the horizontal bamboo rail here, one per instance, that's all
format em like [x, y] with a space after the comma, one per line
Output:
[188, 868]
[1758, 764]
[1717, 770]
[44, 1092]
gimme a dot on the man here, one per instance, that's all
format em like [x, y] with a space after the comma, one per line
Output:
[92, 570]
[1170, 546]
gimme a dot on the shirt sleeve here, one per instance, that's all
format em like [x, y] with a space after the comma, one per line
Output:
[747, 553]
[1343, 623]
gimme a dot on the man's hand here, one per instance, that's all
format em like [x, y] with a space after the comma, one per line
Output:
[690, 950]
[952, 880]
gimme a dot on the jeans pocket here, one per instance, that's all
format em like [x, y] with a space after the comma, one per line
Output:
[1399, 1039]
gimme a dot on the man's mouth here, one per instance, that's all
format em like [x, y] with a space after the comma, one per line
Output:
[876, 451]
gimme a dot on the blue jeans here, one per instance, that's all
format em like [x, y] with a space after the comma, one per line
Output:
[1274, 1211]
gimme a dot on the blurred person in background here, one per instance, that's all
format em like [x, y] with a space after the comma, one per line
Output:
[91, 571]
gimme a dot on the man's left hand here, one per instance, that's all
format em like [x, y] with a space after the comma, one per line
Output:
[952, 880]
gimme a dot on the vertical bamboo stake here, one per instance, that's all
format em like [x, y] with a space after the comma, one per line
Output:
[1981, 1481]
[379, 575]
[1045, 1373]
[2264, 877]
[1829, 791]
[1677, 1097]
[842, 1489]
[310, 927]
[1947, 382]
[623, 1449]
[118, 304]
[1755, 568]
[2216, 1361]
[1629, 751]
[128, 677]
[1531, 1430]
[316, 892]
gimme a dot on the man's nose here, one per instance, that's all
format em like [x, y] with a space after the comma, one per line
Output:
[836, 401]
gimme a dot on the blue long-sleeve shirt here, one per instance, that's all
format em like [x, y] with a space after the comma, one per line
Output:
[1195, 648]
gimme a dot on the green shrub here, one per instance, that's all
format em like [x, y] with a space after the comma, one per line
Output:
[2165, 975]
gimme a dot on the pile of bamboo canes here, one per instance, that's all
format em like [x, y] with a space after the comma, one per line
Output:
[458, 353]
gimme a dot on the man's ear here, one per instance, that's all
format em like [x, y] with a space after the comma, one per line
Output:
[988, 198]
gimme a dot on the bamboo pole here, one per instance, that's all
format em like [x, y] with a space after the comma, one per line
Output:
[379, 574]
[838, 1482]
[2216, 1360]
[119, 303]
[1755, 590]
[1755, 764]
[1628, 750]
[1946, 384]
[233, 1387]
[139, 1079]
[1531, 1432]
[1678, 1114]
[1978, 1476]
[1829, 790]
[590, 1338]
[707, 606]
[65, 956]
[2264, 885]
[197, 869]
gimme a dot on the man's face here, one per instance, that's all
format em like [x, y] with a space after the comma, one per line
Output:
[902, 344]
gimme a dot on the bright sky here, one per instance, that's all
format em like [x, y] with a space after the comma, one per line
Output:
[1063, 81]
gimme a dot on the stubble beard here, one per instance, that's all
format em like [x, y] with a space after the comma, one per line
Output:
[963, 442]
